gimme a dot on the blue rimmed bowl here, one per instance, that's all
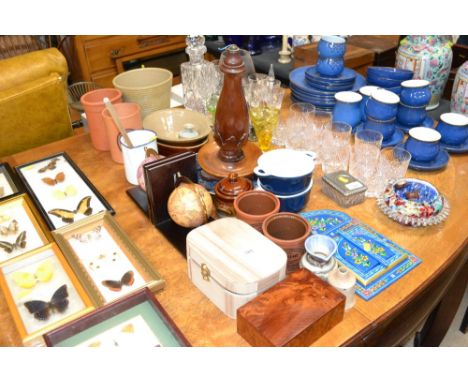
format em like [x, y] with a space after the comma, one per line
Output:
[389, 72]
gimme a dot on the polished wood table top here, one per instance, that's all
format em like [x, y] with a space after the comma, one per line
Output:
[201, 322]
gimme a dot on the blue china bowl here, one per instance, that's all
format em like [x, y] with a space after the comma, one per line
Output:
[331, 46]
[285, 172]
[330, 67]
[365, 91]
[411, 116]
[347, 108]
[415, 93]
[294, 203]
[396, 90]
[386, 128]
[390, 73]
[382, 105]
[423, 143]
[382, 81]
[453, 127]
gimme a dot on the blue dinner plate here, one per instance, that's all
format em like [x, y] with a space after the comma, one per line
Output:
[394, 140]
[321, 87]
[313, 101]
[455, 149]
[320, 98]
[439, 163]
[298, 80]
[316, 92]
[346, 76]
[318, 107]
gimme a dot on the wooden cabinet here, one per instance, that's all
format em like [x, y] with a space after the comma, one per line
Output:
[101, 58]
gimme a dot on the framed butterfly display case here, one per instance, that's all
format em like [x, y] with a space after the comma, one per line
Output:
[42, 292]
[137, 320]
[105, 260]
[61, 190]
[21, 228]
[10, 185]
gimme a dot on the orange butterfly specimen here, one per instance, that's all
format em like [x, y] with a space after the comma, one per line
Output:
[60, 177]
[116, 285]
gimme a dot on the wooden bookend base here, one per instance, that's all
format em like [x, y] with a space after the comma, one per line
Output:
[294, 312]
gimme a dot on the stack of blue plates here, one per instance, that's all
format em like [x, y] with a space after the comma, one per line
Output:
[309, 86]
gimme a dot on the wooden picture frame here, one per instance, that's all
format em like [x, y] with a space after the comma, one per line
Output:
[33, 286]
[10, 185]
[62, 192]
[21, 228]
[109, 325]
[105, 260]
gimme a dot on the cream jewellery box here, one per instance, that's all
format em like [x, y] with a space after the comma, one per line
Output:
[231, 262]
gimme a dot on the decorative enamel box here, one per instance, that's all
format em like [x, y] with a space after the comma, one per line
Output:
[231, 262]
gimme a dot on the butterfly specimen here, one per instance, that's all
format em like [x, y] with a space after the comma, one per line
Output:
[43, 273]
[50, 166]
[4, 218]
[62, 194]
[116, 285]
[20, 242]
[42, 309]
[10, 229]
[94, 234]
[60, 177]
[102, 259]
[68, 216]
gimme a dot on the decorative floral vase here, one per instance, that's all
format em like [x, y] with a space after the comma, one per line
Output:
[430, 58]
[459, 103]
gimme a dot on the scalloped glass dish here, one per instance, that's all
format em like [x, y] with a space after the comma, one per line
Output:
[413, 202]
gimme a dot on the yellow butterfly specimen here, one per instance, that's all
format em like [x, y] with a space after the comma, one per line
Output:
[2, 191]
[129, 328]
[67, 192]
[68, 216]
[4, 218]
[10, 229]
[27, 280]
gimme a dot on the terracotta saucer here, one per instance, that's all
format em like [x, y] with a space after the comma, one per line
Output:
[211, 164]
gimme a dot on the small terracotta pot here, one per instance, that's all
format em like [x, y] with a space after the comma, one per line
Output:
[290, 232]
[255, 206]
[129, 114]
[93, 105]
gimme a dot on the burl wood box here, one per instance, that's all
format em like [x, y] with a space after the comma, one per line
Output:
[231, 262]
[294, 312]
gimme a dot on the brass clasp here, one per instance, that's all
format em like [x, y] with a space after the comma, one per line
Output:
[205, 272]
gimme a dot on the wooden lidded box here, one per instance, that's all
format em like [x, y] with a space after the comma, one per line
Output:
[294, 312]
[231, 262]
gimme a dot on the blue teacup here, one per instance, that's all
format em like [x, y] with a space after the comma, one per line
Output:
[386, 128]
[423, 143]
[382, 105]
[411, 116]
[347, 108]
[330, 67]
[365, 91]
[331, 46]
[415, 93]
[454, 128]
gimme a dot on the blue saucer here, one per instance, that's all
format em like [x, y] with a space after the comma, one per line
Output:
[394, 140]
[458, 149]
[298, 80]
[315, 91]
[313, 95]
[428, 122]
[439, 163]
[347, 76]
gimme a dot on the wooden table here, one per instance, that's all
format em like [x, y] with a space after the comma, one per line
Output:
[387, 319]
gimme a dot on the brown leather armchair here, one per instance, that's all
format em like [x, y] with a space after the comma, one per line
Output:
[33, 100]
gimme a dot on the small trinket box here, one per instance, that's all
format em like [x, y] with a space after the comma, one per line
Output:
[343, 188]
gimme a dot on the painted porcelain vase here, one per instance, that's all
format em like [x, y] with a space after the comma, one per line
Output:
[459, 102]
[430, 58]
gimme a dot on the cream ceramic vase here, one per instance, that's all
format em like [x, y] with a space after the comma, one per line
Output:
[459, 102]
[344, 280]
[430, 58]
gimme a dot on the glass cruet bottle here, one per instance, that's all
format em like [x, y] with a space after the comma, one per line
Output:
[200, 79]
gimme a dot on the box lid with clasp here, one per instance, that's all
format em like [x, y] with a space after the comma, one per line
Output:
[231, 262]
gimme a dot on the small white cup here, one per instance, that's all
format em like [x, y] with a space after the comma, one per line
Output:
[141, 140]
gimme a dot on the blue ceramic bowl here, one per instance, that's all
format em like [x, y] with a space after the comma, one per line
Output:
[415, 93]
[330, 67]
[285, 172]
[295, 203]
[386, 128]
[331, 46]
[347, 108]
[390, 73]
[411, 116]
[396, 90]
[382, 105]
[382, 81]
[453, 127]
[423, 143]
[365, 91]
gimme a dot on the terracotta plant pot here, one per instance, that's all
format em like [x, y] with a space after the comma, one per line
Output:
[93, 107]
[129, 114]
[255, 206]
[290, 232]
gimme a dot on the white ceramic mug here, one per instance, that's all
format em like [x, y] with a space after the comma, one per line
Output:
[141, 140]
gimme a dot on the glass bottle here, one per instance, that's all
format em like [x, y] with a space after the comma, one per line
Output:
[200, 79]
